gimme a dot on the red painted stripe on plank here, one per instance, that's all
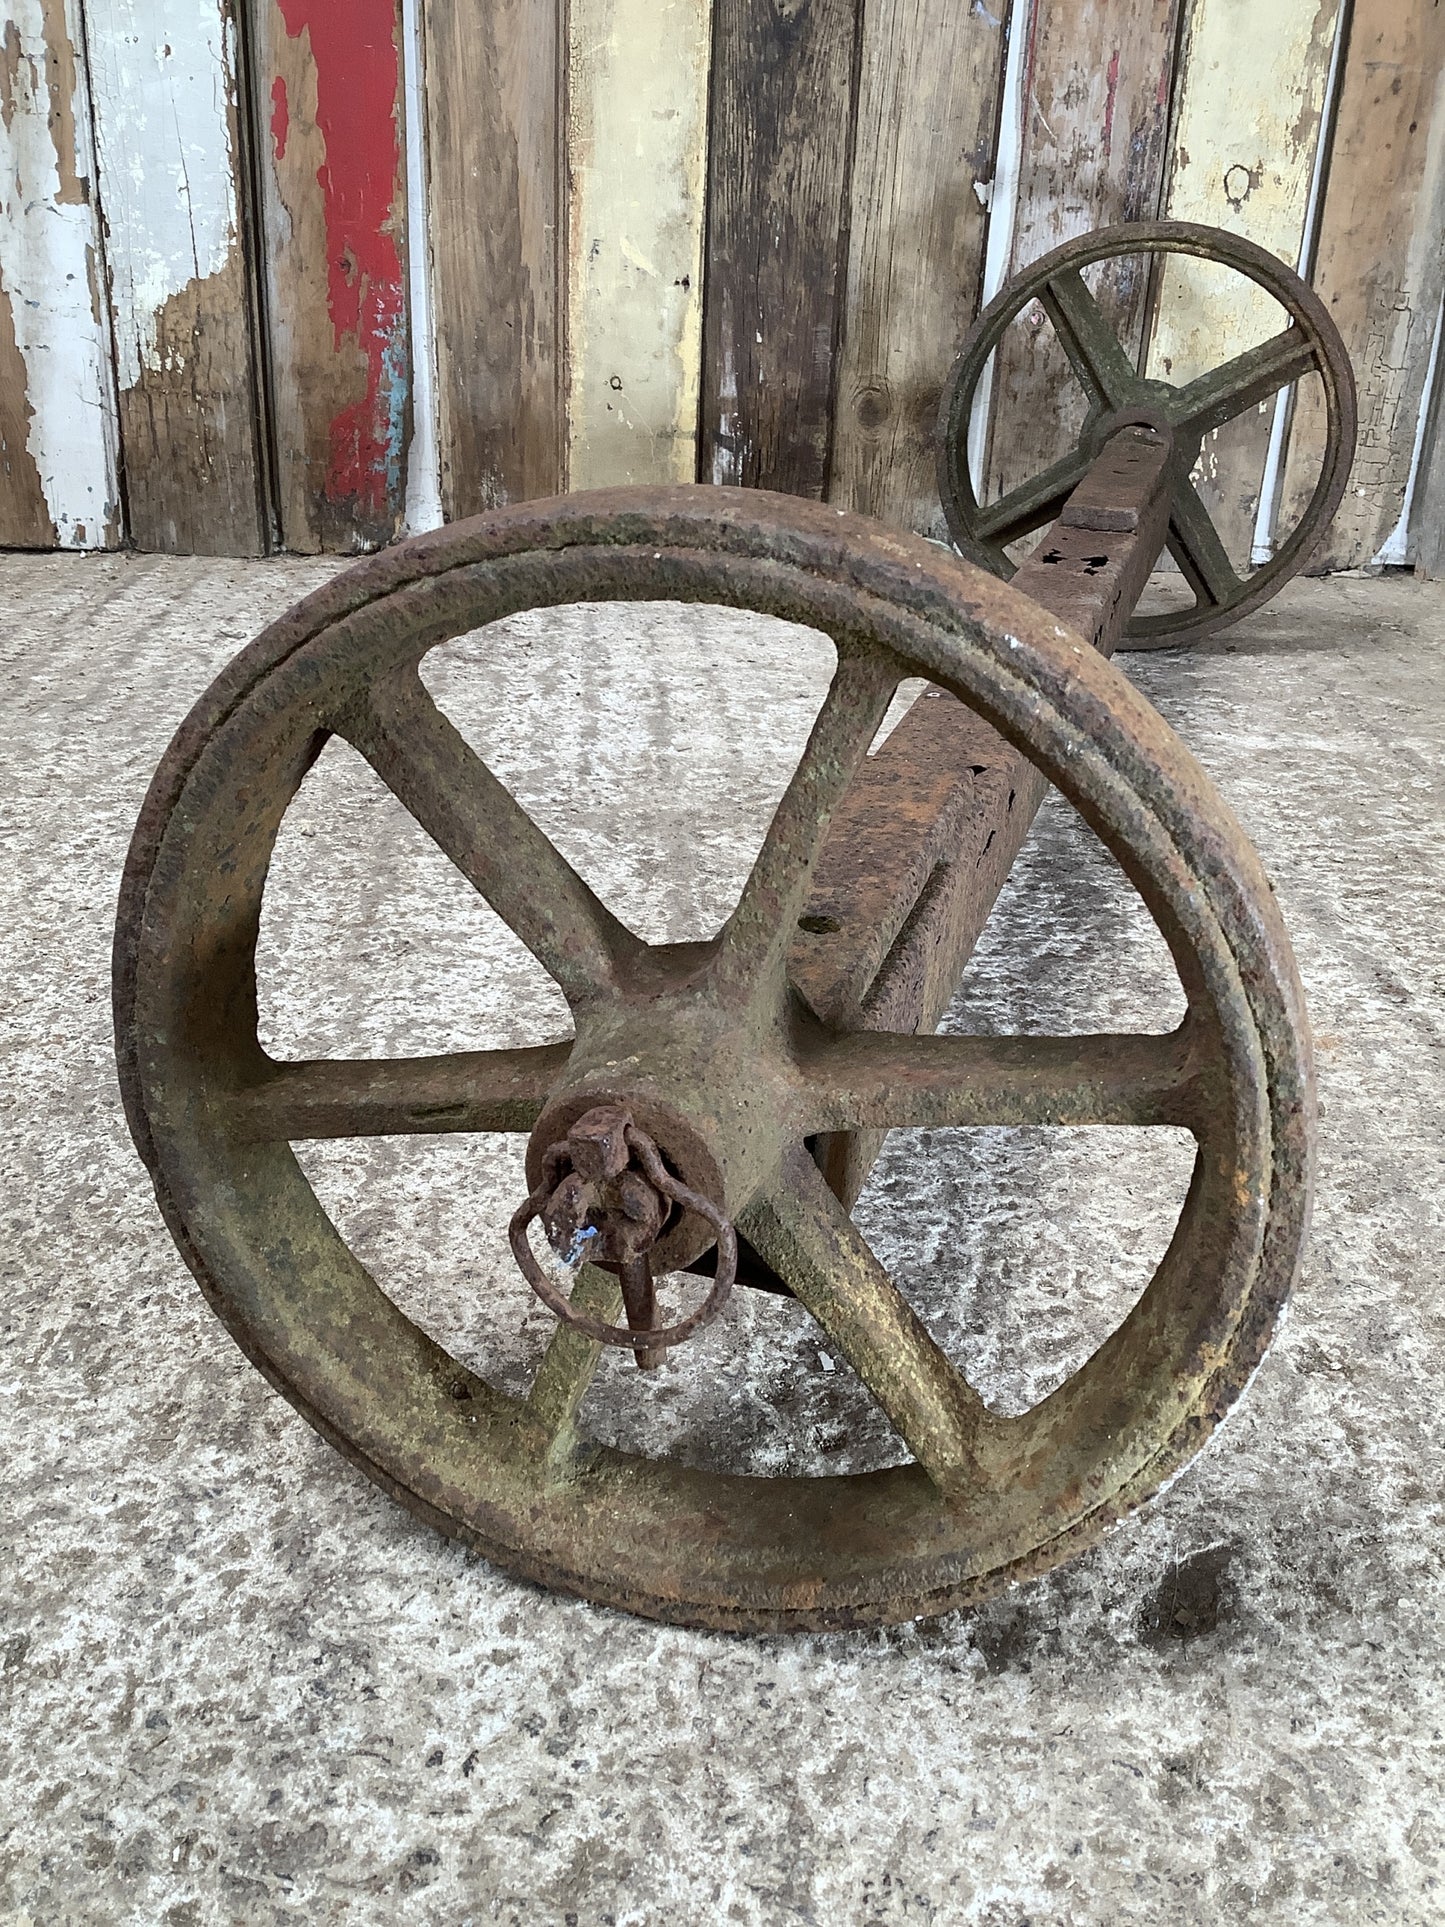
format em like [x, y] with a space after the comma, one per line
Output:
[358, 71]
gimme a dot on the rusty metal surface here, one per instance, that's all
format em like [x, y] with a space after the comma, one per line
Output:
[928, 833]
[721, 1062]
[1119, 395]
[605, 1197]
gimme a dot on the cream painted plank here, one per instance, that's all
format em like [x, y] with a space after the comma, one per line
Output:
[1251, 103]
[637, 172]
[927, 112]
[1380, 263]
[164, 76]
[57, 401]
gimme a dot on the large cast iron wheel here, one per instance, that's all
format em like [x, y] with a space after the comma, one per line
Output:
[1117, 394]
[716, 1054]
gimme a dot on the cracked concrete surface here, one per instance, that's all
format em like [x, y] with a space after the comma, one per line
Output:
[240, 1685]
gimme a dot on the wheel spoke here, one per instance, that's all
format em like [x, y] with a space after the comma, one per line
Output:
[1216, 398]
[330, 1097]
[880, 1080]
[1033, 503]
[570, 1361]
[804, 1233]
[502, 853]
[1087, 339]
[753, 948]
[1195, 545]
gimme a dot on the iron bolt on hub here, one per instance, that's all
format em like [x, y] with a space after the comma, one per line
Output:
[606, 1196]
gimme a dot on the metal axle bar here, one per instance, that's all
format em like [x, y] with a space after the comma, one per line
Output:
[927, 834]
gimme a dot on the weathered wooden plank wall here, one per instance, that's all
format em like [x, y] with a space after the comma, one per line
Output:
[164, 80]
[778, 198]
[1247, 126]
[495, 129]
[334, 216]
[736, 240]
[637, 97]
[923, 163]
[1098, 81]
[1381, 261]
[58, 486]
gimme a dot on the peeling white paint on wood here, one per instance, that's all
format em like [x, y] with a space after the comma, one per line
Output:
[163, 78]
[637, 166]
[1247, 128]
[50, 279]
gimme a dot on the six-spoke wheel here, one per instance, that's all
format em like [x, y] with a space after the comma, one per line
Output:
[714, 1055]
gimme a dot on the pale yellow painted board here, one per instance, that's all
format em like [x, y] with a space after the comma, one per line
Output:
[1248, 125]
[1246, 135]
[637, 171]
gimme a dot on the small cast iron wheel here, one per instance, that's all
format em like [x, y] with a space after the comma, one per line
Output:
[725, 1069]
[1118, 395]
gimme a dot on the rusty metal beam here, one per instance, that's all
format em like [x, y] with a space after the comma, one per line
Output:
[922, 844]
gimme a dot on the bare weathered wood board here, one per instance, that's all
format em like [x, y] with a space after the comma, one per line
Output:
[929, 77]
[637, 94]
[1097, 87]
[334, 189]
[1380, 263]
[58, 485]
[782, 110]
[1247, 127]
[164, 82]
[494, 134]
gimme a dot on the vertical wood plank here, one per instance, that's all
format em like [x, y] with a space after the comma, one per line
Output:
[637, 81]
[1380, 263]
[493, 87]
[334, 189]
[782, 110]
[57, 403]
[1427, 536]
[168, 143]
[1097, 90]
[929, 80]
[1246, 133]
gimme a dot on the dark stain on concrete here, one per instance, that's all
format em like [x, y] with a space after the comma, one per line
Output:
[1193, 1598]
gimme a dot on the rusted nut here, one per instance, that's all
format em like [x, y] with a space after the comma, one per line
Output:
[609, 1222]
[608, 1212]
[597, 1143]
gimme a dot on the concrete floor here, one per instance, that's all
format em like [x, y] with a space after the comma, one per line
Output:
[240, 1685]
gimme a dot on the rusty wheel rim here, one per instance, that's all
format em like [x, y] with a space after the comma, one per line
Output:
[1119, 395]
[1001, 1498]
